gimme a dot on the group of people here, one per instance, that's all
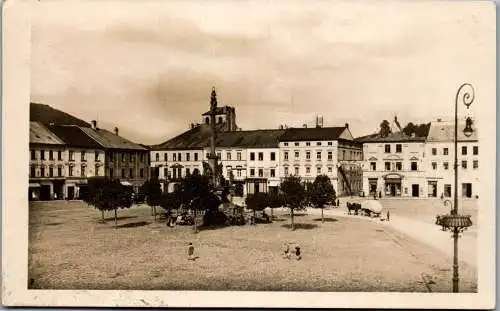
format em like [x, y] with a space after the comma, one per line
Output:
[288, 251]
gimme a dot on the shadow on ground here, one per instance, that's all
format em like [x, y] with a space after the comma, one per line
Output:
[300, 226]
[134, 224]
[326, 219]
[119, 218]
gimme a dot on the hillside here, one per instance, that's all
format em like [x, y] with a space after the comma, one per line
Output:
[46, 115]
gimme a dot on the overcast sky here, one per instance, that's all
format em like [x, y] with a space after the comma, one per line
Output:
[148, 66]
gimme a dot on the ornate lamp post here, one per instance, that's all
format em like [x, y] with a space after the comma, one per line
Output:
[454, 222]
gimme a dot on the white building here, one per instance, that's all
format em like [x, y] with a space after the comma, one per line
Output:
[394, 165]
[439, 161]
[330, 151]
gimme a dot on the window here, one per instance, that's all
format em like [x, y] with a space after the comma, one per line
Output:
[445, 151]
[141, 173]
[71, 155]
[238, 173]
[475, 150]
[42, 154]
[399, 166]
[179, 157]
[228, 156]
[414, 166]
[399, 148]
[196, 156]
[445, 165]
[387, 148]
[464, 164]
[434, 151]
[158, 157]
[59, 155]
[447, 190]
[238, 156]
[252, 156]
[141, 157]
[330, 143]
[286, 155]
[59, 171]
[297, 154]
[475, 164]
[387, 166]
[343, 154]
[131, 173]
[70, 171]
[96, 156]
[296, 144]
[261, 156]
[318, 143]
[330, 156]
[318, 170]
[82, 170]
[308, 170]
[123, 173]
[51, 155]
[318, 155]
[273, 172]
[82, 156]
[308, 143]
[434, 165]
[273, 156]
[373, 166]
[252, 172]
[286, 144]
[308, 155]
[33, 155]
[261, 172]
[286, 171]
[296, 171]
[188, 171]
[330, 169]
[464, 150]
[174, 157]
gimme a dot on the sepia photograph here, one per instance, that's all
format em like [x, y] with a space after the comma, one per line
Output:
[249, 153]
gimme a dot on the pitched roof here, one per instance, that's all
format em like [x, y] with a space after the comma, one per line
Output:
[220, 110]
[445, 132]
[195, 138]
[39, 134]
[109, 140]
[392, 137]
[250, 139]
[73, 136]
[47, 115]
[314, 133]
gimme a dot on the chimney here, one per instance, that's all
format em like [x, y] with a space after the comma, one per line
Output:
[116, 131]
[347, 125]
[304, 125]
[94, 124]
[439, 119]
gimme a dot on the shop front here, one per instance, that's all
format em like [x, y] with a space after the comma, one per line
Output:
[392, 185]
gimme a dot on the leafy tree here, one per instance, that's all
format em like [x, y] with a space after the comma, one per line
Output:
[293, 192]
[419, 130]
[196, 192]
[95, 186]
[321, 193]
[256, 202]
[170, 201]
[274, 200]
[152, 190]
[385, 128]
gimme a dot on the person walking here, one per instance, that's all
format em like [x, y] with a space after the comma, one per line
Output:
[297, 252]
[191, 252]
[388, 215]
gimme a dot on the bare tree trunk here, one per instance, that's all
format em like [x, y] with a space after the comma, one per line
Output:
[154, 212]
[102, 216]
[293, 227]
[322, 218]
[116, 220]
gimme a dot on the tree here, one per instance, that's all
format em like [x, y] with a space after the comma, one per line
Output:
[321, 193]
[385, 128]
[256, 202]
[274, 200]
[293, 192]
[152, 190]
[196, 192]
[95, 186]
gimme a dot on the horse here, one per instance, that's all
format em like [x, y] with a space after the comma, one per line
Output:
[352, 207]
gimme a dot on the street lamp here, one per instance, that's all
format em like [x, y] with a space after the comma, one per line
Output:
[454, 222]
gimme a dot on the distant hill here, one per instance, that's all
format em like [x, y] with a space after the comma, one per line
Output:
[46, 115]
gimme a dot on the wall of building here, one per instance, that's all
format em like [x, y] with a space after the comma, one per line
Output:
[128, 166]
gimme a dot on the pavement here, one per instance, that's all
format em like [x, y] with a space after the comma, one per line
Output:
[427, 233]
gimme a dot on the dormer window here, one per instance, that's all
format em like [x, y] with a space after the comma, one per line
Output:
[207, 120]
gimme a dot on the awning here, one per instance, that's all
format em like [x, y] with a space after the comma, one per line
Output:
[126, 183]
[34, 185]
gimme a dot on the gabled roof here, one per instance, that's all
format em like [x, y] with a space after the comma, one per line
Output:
[220, 110]
[445, 132]
[73, 136]
[39, 134]
[250, 139]
[109, 140]
[315, 133]
[392, 137]
[195, 138]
